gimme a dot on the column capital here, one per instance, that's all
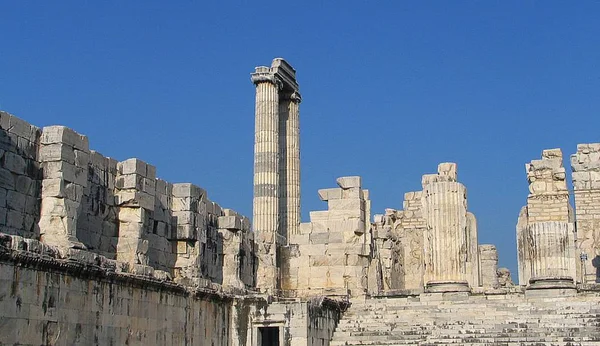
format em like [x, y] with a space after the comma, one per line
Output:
[265, 77]
[296, 97]
[293, 96]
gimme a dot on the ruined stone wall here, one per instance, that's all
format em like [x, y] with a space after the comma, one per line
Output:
[79, 298]
[20, 177]
[586, 182]
[545, 228]
[55, 189]
[406, 239]
[332, 252]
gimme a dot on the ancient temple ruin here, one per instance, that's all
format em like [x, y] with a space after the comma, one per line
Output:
[99, 252]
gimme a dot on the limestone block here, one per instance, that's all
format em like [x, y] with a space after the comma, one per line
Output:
[353, 193]
[19, 127]
[349, 182]
[53, 188]
[132, 166]
[188, 190]
[23, 185]
[330, 194]
[61, 134]
[15, 219]
[184, 217]
[319, 238]
[346, 204]
[319, 216]
[448, 169]
[186, 232]
[14, 163]
[230, 222]
[299, 239]
[133, 215]
[132, 198]
[7, 179]
[66, 171]
[57, 152]
[15, 201]
[305, 227]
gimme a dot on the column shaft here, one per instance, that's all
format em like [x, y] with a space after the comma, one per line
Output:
[292, 154]
[445, 209]
[551, 251]
[266, 181]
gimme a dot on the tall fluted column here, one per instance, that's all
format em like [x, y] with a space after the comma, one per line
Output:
[292, 164]
[266, 176]
[446, 243]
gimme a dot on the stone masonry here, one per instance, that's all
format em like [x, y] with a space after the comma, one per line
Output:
[94, 251]
[546, 230]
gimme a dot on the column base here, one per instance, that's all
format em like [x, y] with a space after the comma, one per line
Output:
[551, 282]
[447, 286]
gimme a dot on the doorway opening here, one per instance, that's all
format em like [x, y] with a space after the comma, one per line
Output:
[268, 336]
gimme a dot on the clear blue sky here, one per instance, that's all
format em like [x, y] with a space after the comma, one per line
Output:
[390, 89]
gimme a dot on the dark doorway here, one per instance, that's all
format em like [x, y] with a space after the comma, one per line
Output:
[268, 336]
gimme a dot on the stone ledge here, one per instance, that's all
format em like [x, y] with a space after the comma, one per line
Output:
[83, 264]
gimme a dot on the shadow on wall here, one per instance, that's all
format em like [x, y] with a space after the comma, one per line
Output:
[596, 264]
[20, 177]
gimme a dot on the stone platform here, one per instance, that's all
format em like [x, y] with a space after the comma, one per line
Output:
[531, 318]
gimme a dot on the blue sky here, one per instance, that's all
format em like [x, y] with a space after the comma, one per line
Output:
[390, 89]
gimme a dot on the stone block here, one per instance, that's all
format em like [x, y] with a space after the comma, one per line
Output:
[132, 215]
[132, 198]
[346, 204]
[132, 166]
[229, 222]
[299, 239]
[14, 163]
[66, 171]
[188, 190]
[57, 152]
[15, 219]
[186, 232]
[319, 238]
[23, 184]
[19, 127]
[15, 201]
[184, 217]
[322, 215]
[349, 182]
[53, 188]
[61, 134]
[7, 179]
[330, 194]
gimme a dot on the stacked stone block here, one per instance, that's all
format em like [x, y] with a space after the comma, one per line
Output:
[545, 229]
[189, 210]
[98, 225]
[136, 187]
[586, 181]
[488, 256]
[64, 156]
[332, 252]
[20, 177]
